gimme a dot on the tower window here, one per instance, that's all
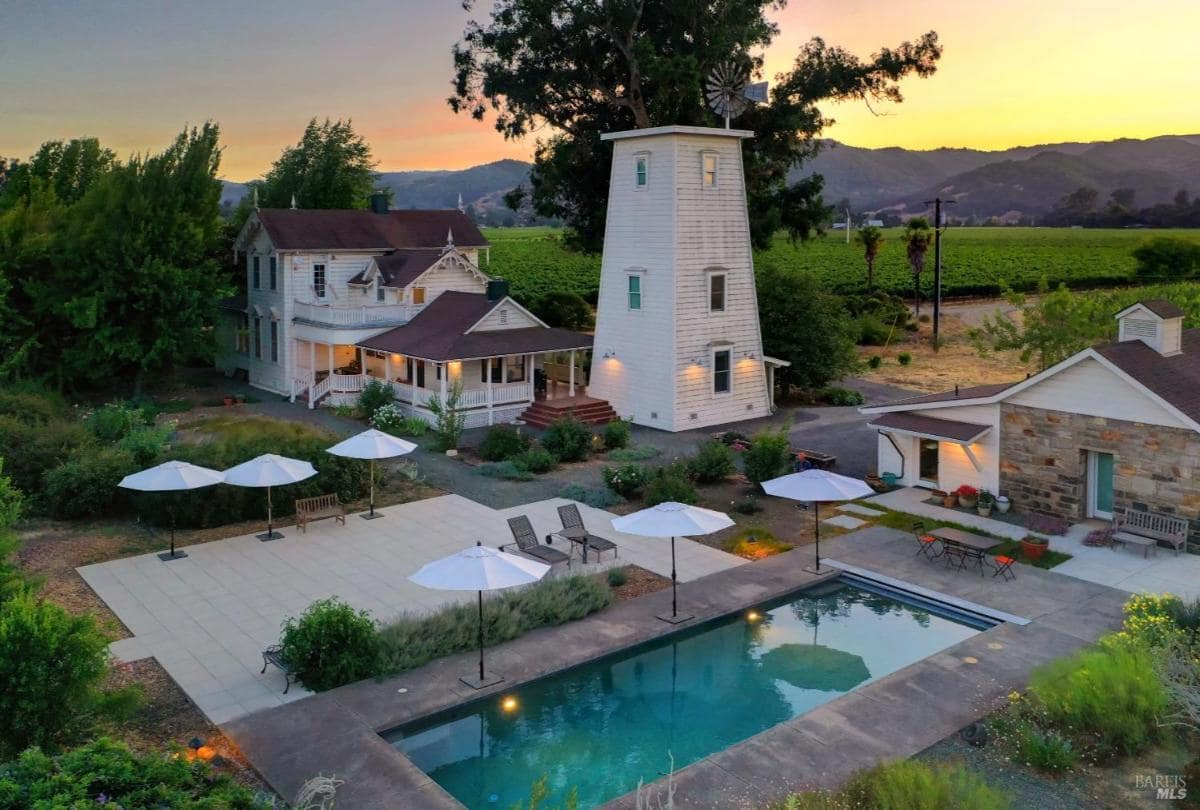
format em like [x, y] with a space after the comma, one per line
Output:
[721, 372]
[716, 292]
[635, 292]
[710, 169]
[641, 170]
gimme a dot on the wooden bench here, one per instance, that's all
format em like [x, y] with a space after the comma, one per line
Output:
[274, 655]
[322, 506]
[1148, 529]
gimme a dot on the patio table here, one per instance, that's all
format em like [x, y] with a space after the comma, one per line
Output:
[577, 536]
[961, 538]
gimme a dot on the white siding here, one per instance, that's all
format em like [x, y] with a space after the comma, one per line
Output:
[506, 316]
[263, 373]
[449, 274]
[1090, 389]
[954, 466]
[905, 469]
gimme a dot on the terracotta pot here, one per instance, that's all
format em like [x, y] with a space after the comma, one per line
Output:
[228, 401]
[1033, 551]
[949, 501]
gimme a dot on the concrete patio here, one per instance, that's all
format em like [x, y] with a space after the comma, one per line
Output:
[207, 617]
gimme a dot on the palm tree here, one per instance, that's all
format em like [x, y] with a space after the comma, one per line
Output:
[871, 239]
[917, 236]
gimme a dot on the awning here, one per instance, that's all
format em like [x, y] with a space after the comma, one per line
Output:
[929, 427]
[775, 361]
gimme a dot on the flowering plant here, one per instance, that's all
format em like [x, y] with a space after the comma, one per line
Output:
[966, 491]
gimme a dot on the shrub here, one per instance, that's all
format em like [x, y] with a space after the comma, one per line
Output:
[507, 470]
[145, 445]
[448, 421]
[389, 418]
[502, 442]
[52, 664]
[904, 358]
[767, 457]
[713, 462]
[617, 433]
[1150, 619]
[732, 437]
[875, 361]
[33, 449]
[106, 772]
[841, 397]
[33, 406]
[565, 309]
[1044, 750]
[872, 331]
[746, 506]
[924, 318]
[86, 486]
[906, 785]
[626, 480]
[415, 640]
[536, 460]
[12, 501]
[617, 577]
[375, 394]
[1111, 692]
[567, 439]
[114, 422]
[756, 544]
[598, 498]
[641, 452]
[670, 483]
[331, 644]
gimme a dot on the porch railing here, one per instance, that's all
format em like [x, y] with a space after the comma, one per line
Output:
[471, 398]
[348, 316]
[319, 390]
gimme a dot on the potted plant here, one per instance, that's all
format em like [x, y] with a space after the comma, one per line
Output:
[985, 502]
[228, 400]
[967, 496]
[949, 499]
[240, 399]
[1003, 504]
[1033, 547]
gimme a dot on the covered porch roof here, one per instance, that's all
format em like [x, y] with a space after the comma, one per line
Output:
[929, 427]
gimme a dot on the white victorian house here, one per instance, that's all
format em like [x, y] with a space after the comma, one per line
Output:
[335, 297]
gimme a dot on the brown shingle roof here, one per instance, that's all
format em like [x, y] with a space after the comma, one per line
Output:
[1163, 308]
[1176, 378]
[974, 392]
[931, 426]
[438, 333]
[401, 267]
[327, 229]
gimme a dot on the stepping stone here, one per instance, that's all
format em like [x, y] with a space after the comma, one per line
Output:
[844, 522]
[859, 509]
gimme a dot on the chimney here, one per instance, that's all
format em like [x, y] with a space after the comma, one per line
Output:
[379, 202]
[1157, 323]
[497, 289]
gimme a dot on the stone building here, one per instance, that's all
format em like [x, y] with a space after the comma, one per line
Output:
[1113, 428]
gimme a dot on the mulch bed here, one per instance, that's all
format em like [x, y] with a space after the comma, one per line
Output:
[638, 582]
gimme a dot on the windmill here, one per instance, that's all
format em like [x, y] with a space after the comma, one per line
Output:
[729, 91]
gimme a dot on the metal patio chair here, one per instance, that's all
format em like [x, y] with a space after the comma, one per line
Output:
[526, 540]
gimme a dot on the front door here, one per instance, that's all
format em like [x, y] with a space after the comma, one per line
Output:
[1100, 485]
[928, 466]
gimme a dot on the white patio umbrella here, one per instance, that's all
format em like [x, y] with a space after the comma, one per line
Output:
[671, 519]
[817, 487]
[372, 444]
[479, 568]
[172, 476]
[269, 470]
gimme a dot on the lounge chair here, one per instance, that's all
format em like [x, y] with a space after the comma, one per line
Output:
[526, 541]
[571, 519]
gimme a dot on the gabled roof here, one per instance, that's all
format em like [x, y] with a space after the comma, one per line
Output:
[401, 267]
[329, 229]
[440, 333]
[1159, 306]
[957, 395]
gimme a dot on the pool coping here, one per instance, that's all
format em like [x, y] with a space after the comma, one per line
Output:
[339, 731]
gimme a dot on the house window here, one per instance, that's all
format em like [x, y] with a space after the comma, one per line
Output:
[716, 292]
[241, 338]
[709, 161]
[257, 337]
[721, 372]
[497, 370]
[274, 341]
[272, 268]
[641, 170]
[380, 292]
[635, 291]
[515, 366]
[256, 275]
[420, 372]
[319, 280]
[418, 295]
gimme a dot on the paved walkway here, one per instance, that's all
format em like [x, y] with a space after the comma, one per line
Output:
[207, 617]
[1123, 567]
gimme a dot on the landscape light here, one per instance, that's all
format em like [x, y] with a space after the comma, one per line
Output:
[509, 704]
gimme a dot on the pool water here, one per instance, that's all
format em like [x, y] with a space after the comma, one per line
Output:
[601, 727]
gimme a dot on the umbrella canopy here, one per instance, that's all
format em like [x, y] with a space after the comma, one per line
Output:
[172, 476]
[815, 666]
[817, 485]
[269, 470]
[672, 519]
[372, 444]
[479, 568]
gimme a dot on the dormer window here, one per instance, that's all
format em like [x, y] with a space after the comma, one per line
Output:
[641, 165]
[708, 161]
[380, 292]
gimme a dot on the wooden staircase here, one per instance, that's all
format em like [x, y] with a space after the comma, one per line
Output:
[588, 410]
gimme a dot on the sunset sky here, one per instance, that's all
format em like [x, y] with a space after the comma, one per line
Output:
[132, 73]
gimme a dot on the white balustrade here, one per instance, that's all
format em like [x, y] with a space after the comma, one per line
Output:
[365, 315]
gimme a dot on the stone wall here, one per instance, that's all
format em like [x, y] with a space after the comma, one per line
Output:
[1043, 464]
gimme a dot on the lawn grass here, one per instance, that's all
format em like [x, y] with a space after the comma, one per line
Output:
[903, 521]
[1012, 548]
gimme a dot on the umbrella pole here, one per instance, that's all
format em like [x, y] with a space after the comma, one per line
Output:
[817, 530]
[270, 535]
[480, 636]
[674, 600]
[167, 556]
[372, 487]
[172, 532]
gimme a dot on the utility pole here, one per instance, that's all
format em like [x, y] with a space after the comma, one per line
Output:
[937, 203]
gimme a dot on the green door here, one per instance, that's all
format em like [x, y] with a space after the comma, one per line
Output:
[1102, 485]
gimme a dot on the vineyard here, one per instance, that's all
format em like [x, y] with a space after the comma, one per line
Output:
[975, 261]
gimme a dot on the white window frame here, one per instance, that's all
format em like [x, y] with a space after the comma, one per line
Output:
[729, 370]
[273, 272]
[255, 273]
[641, 291]
[724, 276]
[380, 292]
[274, 341]
[322, 290]
[258, 337]
[641, 171]
[704, 172]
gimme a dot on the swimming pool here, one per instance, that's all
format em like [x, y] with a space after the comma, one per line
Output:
[601, 727]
